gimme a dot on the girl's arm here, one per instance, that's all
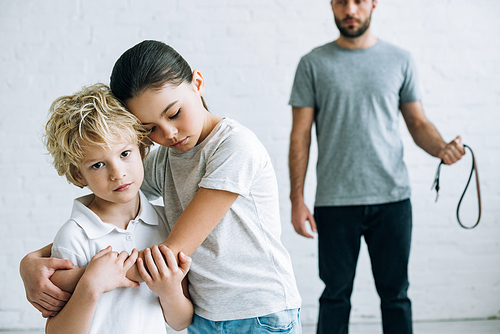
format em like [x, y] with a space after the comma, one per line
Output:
[105, 272]
[168, 280]
[200, 217]
[36, 268]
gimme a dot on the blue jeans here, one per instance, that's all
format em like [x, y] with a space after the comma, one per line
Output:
[287, 321]
[387, 232]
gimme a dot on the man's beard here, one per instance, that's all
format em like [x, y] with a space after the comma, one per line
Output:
[356, 33]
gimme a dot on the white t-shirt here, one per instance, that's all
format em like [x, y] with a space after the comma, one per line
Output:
[241, 270]
[123, 310]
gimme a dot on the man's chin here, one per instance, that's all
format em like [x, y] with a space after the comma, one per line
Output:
[352, 33]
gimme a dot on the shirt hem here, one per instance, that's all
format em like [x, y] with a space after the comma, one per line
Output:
[246, 314]
[361, 201]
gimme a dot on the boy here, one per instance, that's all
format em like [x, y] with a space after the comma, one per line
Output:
[96, 142]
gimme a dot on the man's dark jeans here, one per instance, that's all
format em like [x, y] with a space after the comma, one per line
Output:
[387, 232]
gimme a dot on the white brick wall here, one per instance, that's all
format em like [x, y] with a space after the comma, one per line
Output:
[248, 51]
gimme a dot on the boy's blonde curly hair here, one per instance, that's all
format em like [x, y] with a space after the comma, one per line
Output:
[93, 116]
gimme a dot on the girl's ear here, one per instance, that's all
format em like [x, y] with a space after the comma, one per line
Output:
[198, 82]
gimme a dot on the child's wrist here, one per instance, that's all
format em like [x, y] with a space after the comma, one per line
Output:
[172, 296]
[92, 290]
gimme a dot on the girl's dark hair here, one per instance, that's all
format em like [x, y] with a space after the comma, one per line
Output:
[148, 65]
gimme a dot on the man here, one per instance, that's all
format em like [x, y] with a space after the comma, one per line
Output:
[353, 89]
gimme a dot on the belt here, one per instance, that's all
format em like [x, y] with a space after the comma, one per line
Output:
[435, 185]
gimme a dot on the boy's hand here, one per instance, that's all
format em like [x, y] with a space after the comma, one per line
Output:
[163, 276]
[36, 270]
[107, 269]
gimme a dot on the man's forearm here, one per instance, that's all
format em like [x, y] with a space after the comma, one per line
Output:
[67, 280]
[298, 160]
[423, 132]
[427, 137]
[45, 251]
[300, 143]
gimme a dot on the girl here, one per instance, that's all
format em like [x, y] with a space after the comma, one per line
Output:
[220, 193]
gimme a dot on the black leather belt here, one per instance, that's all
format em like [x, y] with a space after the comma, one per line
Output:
[435, 185]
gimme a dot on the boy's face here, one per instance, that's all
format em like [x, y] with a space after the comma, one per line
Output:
[114, 174]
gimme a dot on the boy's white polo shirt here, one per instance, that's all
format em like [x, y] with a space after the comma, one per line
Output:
[123, 310]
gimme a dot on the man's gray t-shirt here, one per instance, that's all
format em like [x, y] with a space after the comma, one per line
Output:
[242, 270]
[356, 95]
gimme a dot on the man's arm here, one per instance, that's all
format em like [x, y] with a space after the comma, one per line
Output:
[67, 280]
[426, 136]
[36, 268]
[298, 159]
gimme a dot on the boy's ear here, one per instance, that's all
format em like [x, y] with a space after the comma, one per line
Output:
[198, 82]
[77, 176]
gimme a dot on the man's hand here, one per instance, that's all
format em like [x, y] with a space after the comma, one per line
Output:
[300, 213]
[452, 152]
[35, 271]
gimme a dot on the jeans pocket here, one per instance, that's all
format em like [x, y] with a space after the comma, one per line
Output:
[283, 321]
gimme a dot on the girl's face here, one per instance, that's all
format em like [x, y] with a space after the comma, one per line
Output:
[174, 115]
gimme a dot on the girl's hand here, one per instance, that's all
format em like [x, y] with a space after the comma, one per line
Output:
[163, 276]
[107, 269]
[36, 268]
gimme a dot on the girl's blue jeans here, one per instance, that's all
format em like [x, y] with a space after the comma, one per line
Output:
[287, 321]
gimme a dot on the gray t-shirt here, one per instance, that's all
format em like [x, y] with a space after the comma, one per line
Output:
[241, 270]
[356, 96]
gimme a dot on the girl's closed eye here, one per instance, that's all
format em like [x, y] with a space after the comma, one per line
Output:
[174, 116]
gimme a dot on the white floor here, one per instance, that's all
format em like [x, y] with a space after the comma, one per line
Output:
[441, 327]
[445, 327]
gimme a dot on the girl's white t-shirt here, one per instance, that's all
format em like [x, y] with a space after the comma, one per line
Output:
[241, 270]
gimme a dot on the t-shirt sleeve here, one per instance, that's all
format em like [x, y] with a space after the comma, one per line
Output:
[162, 218]
[154, 173]
[71, 243]
[234, 164]
[303, 90]
[410, 90]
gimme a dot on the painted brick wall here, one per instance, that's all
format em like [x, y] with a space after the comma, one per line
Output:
[248, 51]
